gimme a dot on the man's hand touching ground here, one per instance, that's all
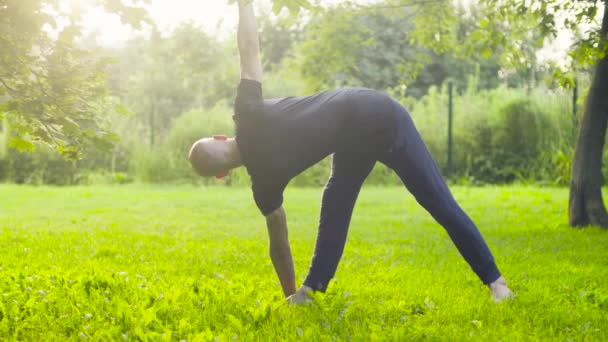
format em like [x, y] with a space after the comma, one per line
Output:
[500, 291]
[302, 296]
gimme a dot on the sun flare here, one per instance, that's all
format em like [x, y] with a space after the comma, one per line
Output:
[213, 16]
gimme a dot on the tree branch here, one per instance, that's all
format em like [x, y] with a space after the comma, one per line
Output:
[49, 132]
[6, 86]
[399, 5]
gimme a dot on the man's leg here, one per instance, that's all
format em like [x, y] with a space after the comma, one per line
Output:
[347, 175]
[411, 160]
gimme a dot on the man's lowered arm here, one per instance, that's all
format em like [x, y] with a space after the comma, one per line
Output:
[280, 251]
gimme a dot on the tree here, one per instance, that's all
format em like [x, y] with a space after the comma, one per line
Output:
[51, 89]
[586, 205]
[293, 6]
[507, 29]
[163, 76]
[380, 46]
[546, 17]
[277, 36]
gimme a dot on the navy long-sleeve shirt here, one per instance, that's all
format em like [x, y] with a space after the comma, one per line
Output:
[280, 138]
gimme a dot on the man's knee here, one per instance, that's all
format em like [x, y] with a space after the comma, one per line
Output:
[443, 208]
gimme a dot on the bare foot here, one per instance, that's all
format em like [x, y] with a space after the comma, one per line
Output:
[500, 291]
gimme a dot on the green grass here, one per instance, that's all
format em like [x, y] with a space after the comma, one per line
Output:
[166, 263]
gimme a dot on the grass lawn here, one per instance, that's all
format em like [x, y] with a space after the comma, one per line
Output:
[183, 263]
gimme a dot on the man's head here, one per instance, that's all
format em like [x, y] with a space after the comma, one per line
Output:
[214, 156]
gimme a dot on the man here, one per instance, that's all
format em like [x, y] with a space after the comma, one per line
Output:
[278, 139]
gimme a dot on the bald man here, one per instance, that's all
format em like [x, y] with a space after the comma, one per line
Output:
[278, 139]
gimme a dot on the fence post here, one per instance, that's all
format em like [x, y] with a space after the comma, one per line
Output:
[151, 122]
[450, 122]
[574, 109]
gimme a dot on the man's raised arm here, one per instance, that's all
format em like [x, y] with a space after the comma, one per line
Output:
[249, 44]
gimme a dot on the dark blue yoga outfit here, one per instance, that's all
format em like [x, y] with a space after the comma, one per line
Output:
[280, 138]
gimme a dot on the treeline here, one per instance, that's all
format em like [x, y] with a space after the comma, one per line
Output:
[509, 124]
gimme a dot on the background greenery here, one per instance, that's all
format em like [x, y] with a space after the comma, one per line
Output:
[183, 262]
[512, 122]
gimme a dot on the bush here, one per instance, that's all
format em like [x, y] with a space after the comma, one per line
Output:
[3, 169]
[42, 166]
[188, 128]
[500, 135]
[103, 177]
[168, 162]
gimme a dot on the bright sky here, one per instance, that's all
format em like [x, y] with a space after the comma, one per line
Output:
[214, 16]
[210, 14]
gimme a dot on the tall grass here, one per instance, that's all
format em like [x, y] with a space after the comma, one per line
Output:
[149, 263]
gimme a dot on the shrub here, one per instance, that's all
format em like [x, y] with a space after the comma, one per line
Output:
[168, 161]
[41, 166]
[3, 169]
[500, 135]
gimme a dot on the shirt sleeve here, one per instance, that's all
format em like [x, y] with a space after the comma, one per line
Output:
[268, 198]
[249, 100]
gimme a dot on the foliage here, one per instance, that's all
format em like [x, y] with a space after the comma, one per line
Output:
[45, 166]
[192, 126]
[382, 47]
[500, 135]
[174, 82]
[166, 75]
[51, 89]
[278, 34]
[293, 6]
[545, 18]
[342, 44]
[42, 166]
[506, 29]
[330, 54]
[184, 263]
[168, 162]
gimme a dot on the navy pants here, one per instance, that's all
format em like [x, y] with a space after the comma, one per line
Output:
[412, 162]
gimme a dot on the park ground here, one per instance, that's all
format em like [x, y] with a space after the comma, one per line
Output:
[188, 263]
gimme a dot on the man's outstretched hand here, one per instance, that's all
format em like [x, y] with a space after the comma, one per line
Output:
[500, 291]
[302, 296]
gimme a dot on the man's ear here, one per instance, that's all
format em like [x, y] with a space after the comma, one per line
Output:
[220, 137]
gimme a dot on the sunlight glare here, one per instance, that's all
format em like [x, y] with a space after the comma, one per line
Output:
[213, 16]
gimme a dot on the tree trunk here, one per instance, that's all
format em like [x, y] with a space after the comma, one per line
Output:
[586, 206]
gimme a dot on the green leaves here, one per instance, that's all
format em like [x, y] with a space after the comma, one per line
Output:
[133, 16]
[293, 6]
[21, 144]
[386, 45]
[52, 89]
[122, 109]
[521, 23]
